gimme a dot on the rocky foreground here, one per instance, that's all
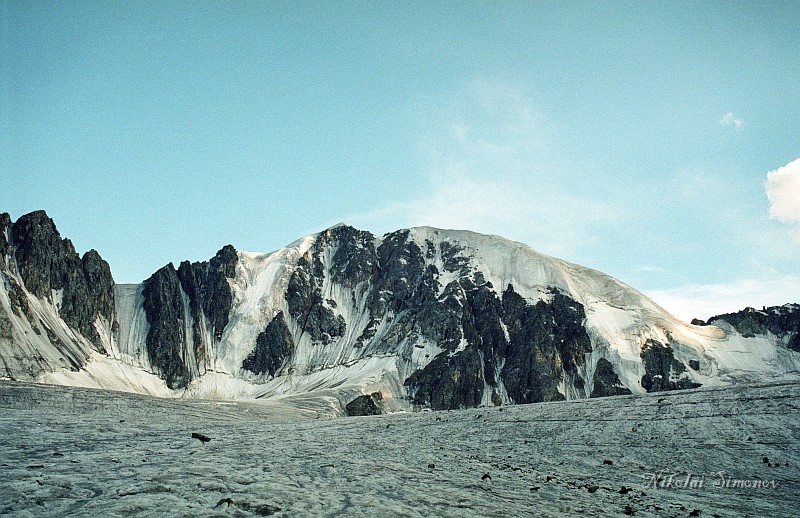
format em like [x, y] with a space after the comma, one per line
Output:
[704, 452]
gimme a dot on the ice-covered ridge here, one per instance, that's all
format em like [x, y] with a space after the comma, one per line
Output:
[375, 346]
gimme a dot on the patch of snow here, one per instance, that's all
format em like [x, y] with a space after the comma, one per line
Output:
[102, 372]
[131, 345]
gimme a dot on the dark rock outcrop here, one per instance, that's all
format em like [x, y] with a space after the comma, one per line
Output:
[307, 307]
[5, 244]
[78, 308]
[46, 262]
[449, 382]
[403, 287]
[467, 312]
[99, 282]
[163, 306]
[201, 437]
[206, 286]
[39, 252]
[355, 258]
[453, 257]
[217, 295]
[274, 346]
[192, 278]
[482, 324]
[368, 404]
[546, 337]
[398, 283]
[662, 370]
[209, 300]
[464, 318]
[606, 381]
[354, 261]
[468, 320]
[18, 300]
[5, 325]
[782, 321]
[440, 319]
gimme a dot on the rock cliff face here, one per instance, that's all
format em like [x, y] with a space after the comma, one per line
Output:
[606, 381]
[548, 342]
[166, 339]
[428, 318]
[47, 263]
[5, 244]
[274, 347]
[36, 262]
[368, 404]
[187, 311]
[662, 370]
[781, 321]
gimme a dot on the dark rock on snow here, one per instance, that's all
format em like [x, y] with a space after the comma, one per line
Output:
[368, 404]
[200, 437]
[662, 370]
[45, 262]
[163, 306]
[782, 321]
[606, 381]
[169, 337]
[306, 305]
[545, 337]
[274, 346]
[5, 244]
[449, 382]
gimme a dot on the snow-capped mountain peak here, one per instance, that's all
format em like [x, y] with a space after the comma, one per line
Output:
[426, 317]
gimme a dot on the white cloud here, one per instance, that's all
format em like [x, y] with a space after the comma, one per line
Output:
[487, 170]
[783, 191]
[706, 300]
[729, 119]
[490, 165]
[648, 268]
[460, 131]
[553, 222]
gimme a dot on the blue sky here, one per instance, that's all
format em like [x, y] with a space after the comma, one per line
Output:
[635, 138]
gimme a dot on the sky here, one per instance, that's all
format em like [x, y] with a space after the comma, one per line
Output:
[658, 142]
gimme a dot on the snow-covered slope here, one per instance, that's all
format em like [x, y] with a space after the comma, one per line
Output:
[709, 452]
[428, 317]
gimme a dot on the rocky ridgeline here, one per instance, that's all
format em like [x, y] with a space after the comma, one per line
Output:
[490, 340]
[32, 250]
[399, 296]
[782, 321]
[468, 320]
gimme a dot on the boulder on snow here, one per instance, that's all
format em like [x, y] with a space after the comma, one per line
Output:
[200, 437]
[368, 404]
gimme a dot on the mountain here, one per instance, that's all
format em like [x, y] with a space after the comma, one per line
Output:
[781, 322]
[417, 318]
